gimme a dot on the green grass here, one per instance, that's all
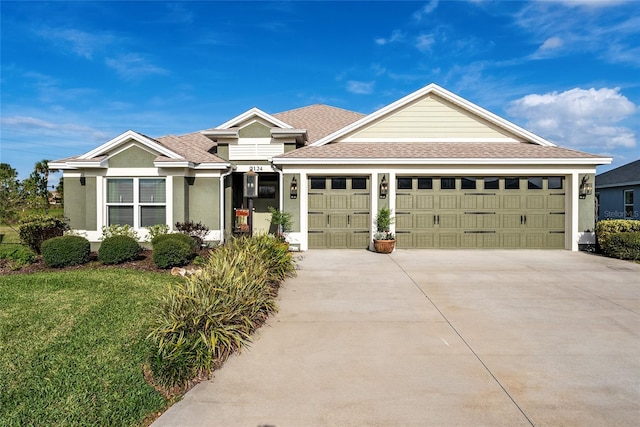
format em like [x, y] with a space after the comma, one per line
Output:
[72, 346]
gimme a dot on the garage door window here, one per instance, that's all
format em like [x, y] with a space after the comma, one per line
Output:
[534, 183]
[318, 183]
[339, 183]
[405, 183]
[468, 183]
[512, 183]
[555, 183]
[491, 183]
[447, 183]
[425, 183]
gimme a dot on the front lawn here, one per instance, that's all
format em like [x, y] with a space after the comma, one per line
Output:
[72, 346]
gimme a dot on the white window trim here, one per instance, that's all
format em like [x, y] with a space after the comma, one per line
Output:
[136, 200]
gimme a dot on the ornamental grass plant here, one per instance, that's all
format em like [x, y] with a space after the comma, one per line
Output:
[203, 320]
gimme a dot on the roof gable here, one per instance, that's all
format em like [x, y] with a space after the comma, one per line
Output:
[432, 114]
[125, 138]
[251, 116]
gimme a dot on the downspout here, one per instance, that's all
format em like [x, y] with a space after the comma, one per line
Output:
[280, 184]
[222, 179]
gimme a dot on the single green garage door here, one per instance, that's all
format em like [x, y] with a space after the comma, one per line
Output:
[339, 212]
[480, 212]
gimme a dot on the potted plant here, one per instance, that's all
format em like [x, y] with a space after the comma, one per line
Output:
[281, 223]
[383, 240]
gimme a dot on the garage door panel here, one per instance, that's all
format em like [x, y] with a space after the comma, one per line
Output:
[511, 220]
[448, 240]
[469, 221]
[534, 240]
[423, 220]
[448, 220]
[536, 221]
[490, 202]
[359, 239]
[556, 201]
[404, 201]
[555, 240]
[316, 201]
[338, 240]
[338, 220]
[423, 240]
[511, 201]
[404, 239]
[317, 239]
[338, 202]
[359, 201]
[404, 220]
[359, 220]
[556, 221]
[448, 202]
[317, 220]
[535, 201]
[469, 202]
[424, 202]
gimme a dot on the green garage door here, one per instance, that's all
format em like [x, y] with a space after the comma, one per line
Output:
[339, 212]
[484, 212]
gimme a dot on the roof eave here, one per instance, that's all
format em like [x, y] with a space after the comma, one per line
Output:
[440, 161]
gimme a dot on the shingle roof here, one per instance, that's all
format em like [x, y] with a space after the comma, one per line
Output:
[436, 150]
[626, 174]
[194, 147]
[319, 120]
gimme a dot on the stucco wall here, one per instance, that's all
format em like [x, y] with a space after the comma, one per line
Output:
[132, 157]
[204, 202]
[80, 203]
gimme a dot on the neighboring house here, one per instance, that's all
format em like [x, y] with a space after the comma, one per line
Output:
[454, 174]
[618, 192]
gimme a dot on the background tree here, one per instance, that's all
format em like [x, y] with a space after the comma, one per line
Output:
[35, 189]
[10, 194]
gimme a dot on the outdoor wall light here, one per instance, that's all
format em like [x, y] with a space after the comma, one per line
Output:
[586, 189]
[250, 184]
[83, 181]
[384, 187]
[293, 191]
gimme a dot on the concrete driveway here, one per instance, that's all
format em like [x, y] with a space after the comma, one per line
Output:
[437, 338]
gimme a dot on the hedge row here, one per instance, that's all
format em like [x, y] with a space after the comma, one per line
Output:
[619, 238]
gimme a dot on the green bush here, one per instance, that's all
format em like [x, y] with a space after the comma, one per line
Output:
[118, 249]
[64, 251]
[157, 230]
[624, 245]
[35, 229]
[608, 227]
[18, 256]
[169, 253]
[213, 313]
[196, 230]
[179, 237]
[120, 230]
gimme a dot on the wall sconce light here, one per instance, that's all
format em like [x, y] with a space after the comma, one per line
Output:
[83, 181]
[586, 189]
[384, 187]
[293, 191]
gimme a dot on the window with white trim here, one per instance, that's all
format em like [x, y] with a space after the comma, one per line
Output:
[138, 202]
[628, 204]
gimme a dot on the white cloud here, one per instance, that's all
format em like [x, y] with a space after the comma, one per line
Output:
[396, 36]
[360, 88]
[132, 66]
[78, 42]
[424, 42]
[551, 44]
[46, 128]
[579, 117]
[425, 10]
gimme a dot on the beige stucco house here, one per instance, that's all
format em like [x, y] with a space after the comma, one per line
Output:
[454, 174]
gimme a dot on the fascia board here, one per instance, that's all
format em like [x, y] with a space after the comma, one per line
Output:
[126, 136]
[443, 161]
[60, 165]
[448, 96]
[183, 164]
[220, 133]
[250, 113]
[621, 184]
[213, 166]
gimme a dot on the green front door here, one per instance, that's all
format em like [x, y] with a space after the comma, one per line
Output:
[339, 214]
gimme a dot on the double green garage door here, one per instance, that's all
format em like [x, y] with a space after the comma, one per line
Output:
[442, 212]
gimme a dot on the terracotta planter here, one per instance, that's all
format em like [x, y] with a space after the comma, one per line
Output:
[384, 246]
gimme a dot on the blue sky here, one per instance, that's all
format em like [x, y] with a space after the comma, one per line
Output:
[76, 74]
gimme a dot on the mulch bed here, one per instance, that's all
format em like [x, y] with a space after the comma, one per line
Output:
[144, 262]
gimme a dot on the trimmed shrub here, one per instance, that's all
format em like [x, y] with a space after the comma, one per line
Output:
[213, 313]
[172, 252]
[18, 256]
[176, 237]
[623, 246]
[196, 230]
[65, 251]
[118, 249]
[157, 230]
[120, 230]
[35, 229]
[608, 227]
